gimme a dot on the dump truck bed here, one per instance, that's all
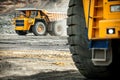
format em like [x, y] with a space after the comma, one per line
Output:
[56, 16]
[53, 16]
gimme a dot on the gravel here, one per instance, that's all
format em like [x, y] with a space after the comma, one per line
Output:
[6, 26]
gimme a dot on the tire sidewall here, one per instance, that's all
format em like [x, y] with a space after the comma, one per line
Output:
[36, 32]
[58, 26]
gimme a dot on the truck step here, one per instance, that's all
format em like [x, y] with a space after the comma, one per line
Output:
[99, 54]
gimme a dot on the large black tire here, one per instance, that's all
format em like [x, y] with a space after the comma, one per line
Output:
[39, 29]
[79, 43]
[56, 28]
[21, 33]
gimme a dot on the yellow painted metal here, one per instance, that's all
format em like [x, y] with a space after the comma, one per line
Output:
[27, 24]
[109, 24]
[107, 11]
[56, 16]
[100, 18]
[86, 4]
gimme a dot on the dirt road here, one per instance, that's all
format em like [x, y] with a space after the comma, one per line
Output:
[31, 42]
[36, 58]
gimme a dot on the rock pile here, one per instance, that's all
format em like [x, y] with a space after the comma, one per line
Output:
[6, 26]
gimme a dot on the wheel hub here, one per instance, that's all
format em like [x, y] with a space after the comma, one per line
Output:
[59, 28]
[40, 28]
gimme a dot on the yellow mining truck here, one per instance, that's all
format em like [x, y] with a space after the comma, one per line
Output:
[38, 21]
[94, 36]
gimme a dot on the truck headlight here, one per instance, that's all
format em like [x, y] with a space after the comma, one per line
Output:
[30, 21]
[111, 31]
[115, 8]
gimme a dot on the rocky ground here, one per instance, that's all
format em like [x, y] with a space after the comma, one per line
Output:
[6, 26]
[36, 58]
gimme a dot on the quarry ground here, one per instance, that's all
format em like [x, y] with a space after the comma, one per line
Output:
[36, 58]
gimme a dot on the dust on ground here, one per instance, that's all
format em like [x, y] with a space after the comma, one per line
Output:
[36, 58]
[37, 65]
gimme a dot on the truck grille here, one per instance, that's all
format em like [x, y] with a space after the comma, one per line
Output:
[19, 22]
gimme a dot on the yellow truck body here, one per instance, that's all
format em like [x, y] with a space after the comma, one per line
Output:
[26, 18]
[102, 17]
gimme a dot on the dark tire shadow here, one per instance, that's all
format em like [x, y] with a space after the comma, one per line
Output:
[55, 75]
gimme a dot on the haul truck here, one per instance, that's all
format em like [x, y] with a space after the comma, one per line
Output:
[94, 36]
[38, 21]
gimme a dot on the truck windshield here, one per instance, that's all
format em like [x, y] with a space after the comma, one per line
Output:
[32, 14]
[19, 13]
